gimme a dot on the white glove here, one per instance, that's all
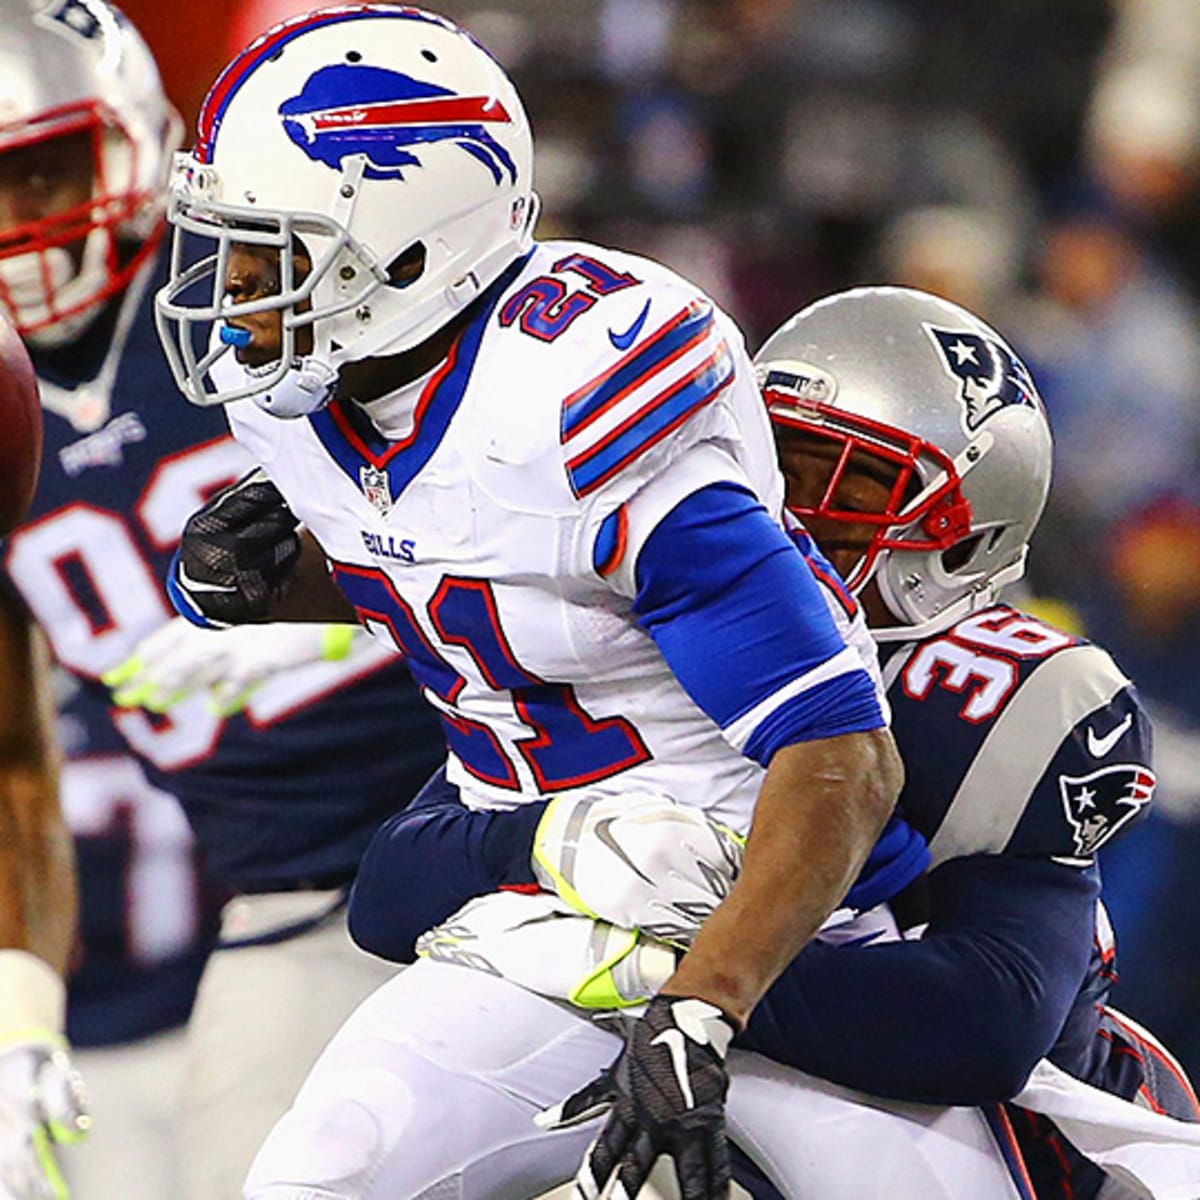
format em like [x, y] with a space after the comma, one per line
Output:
[43, 1102]
[537, 942]
[180, 658]
[638, 860]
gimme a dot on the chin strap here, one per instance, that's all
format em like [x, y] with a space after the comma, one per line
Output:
[307, 387]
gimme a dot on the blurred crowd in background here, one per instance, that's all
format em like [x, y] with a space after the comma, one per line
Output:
[1037, 163]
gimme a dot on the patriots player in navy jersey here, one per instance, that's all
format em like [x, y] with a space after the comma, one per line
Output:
[920, 473]
[278, 799]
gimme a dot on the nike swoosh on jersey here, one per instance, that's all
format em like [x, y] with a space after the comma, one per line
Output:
[622, 341]
[674, 1042]
[1098, 747]
[195, 585]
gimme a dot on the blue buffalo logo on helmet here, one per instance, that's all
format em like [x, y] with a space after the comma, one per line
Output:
[344, 110]
[1098, 805]
[990, 376]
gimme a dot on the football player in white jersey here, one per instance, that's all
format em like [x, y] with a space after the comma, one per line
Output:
[922, 472]
[545, 474]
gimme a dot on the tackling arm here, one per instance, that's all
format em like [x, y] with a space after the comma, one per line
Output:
[822, 806]
[958, 1017]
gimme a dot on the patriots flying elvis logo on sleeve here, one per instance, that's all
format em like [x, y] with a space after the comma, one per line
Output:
[1098, 805]
[990, 376]
[384, 114]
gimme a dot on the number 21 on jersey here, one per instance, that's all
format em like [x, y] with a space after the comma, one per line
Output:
[565, 747]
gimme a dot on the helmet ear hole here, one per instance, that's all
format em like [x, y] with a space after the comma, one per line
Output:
[955, 557]
[407, 267]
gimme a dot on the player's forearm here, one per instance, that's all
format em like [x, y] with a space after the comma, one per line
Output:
[961, 1015]
[37, 866]
[311, 593]
[426, 862]
[821, 808]
[37, 869]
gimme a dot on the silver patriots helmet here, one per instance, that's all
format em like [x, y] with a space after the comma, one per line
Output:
[78, 70]
[940, 396]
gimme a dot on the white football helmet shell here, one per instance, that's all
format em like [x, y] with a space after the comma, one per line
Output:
[360, 132]
[926, 386]
[66, 67]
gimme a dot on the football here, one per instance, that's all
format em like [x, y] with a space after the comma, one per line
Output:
[20, 429]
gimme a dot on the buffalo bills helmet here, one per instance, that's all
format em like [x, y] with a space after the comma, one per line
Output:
[382, 144]
[76, 72]
[938, 395]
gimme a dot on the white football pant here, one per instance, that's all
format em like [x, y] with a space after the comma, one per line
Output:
[263, 1014]
[428, 1093]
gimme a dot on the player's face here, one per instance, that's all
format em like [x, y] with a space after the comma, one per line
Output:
[253, 273]
[43, 180]
[866, 485]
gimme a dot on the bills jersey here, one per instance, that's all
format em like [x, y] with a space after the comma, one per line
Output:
[503, 522]
[287, 793]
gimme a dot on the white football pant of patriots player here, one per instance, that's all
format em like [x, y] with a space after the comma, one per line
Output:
[364, 177]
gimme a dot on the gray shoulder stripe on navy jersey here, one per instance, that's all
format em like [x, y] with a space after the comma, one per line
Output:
[993, 794]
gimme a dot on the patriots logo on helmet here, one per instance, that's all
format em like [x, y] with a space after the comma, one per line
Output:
[74, 15]
[344, 109]
[990, 375]
[1098, 805]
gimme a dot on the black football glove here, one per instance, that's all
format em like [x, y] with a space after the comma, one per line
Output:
[236, 555]
[664, 1094]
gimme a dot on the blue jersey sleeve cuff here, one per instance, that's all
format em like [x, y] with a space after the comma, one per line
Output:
[845, 704]
[182, 602]
[897, 858]
[736, 611]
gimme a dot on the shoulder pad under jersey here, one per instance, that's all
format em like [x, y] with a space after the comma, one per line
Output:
[605, 404]
[1018, 738]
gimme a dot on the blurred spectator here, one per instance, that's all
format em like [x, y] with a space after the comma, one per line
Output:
[1120, 371]
[962, 253]
[1144, 137]
[1143, 129]
[1155, 558]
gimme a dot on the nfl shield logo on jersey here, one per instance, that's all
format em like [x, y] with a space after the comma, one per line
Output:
[376, 487]
[1100, 804]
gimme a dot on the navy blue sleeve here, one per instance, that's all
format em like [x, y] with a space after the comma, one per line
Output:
[740, 618]
[958, 1017]
[425, 863]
